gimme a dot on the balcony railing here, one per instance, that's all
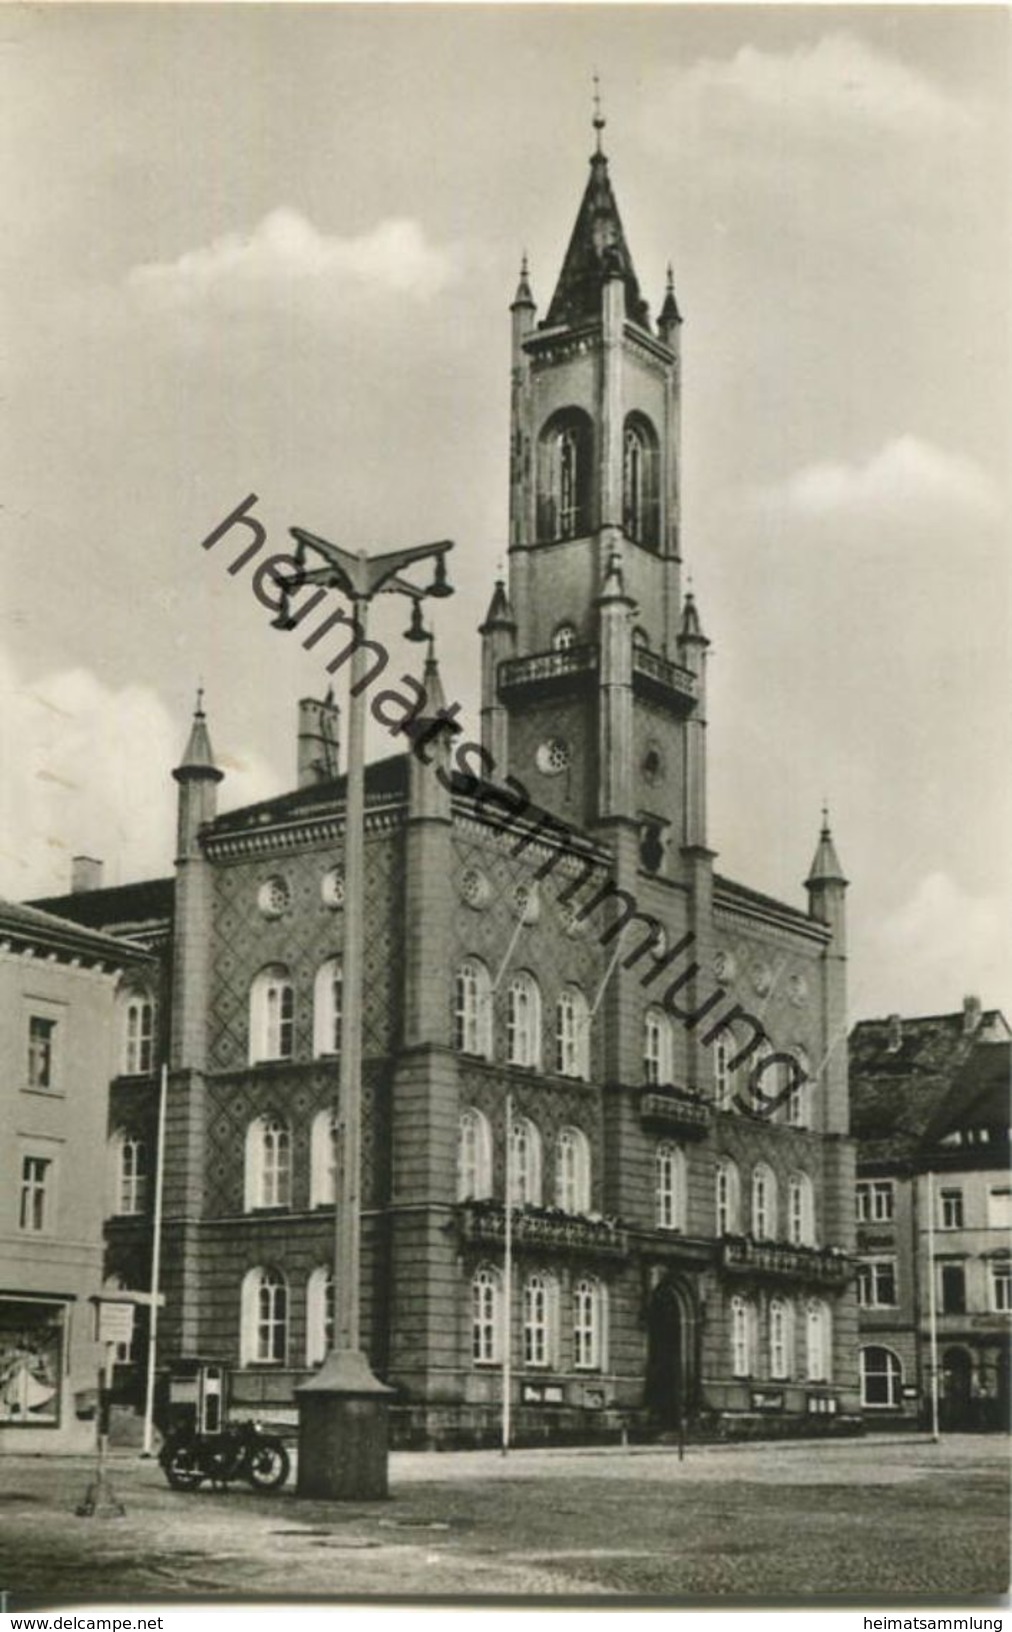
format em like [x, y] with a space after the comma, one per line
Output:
[819, 1266]
[657, 672]
[547, 666]
[483, 1223]
[677, 1110]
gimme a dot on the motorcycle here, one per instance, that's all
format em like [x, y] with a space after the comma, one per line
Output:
[241, 1451]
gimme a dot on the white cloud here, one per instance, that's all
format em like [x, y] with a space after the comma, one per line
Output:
[87, 771]
[907, 479]
[285, 251]
[837, 85]
[941, 943]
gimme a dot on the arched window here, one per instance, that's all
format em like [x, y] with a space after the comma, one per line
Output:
[572, 1034]
[319, 1314]
[328, 1008]
[323, 1160]
[801, 1210]
[764, 1202]
[590, 1324]
[271, 1015]
[572, 1171]
[564, 476]
[268, 1164]
[669, 1189]
[881, 1378]
[657, 1048]
[743, 1337]
[728, 1188]
[541, 1320]
[640, 508]
[525, 1164]
[474, 1156]
[797, 1112]
[472, 1014]
[817, 1342]
[564, 637]
[138, 1012]
[523, 1021]
[128, 1156]
[263, 1336]
[486, 1317]
[781, 1338]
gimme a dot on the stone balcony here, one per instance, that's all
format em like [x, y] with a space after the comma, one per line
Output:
[775, 1260]
[676, 1110]
[653, 674]
[483, 1223]
[547, 669]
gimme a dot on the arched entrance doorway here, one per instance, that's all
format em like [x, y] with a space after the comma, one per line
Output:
[672, 1368]
[956, 1404]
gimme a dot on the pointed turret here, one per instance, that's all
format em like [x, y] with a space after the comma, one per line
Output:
[198, 776]
[669, 318]
[523, 296]
[430, 734]
[825, 868]
[826, 886]
[198, 755]
[597, 252]
[197, 805]
[500, 613]
[691, 629]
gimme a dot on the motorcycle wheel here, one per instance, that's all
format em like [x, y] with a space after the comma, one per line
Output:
[269, 1465]
[181, 1467]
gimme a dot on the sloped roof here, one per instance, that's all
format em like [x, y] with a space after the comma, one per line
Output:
[895, 1095]
[33, 927]
[980, 1097]
[729, 893]
[121, 906]
[597, 250]
[382, 777]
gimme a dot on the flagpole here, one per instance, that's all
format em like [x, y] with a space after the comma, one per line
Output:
[156, 1267]
[932, 1308]
[507, 1301]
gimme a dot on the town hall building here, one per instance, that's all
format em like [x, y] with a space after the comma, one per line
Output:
[568, 1012]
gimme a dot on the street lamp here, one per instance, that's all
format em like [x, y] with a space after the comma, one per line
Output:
[342, 1410]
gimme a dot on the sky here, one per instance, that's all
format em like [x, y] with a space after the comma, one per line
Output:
[271, 250]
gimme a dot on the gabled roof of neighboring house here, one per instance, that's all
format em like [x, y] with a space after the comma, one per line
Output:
[897, 1091]
[980, 1097]
[121, 907]
[27, 926]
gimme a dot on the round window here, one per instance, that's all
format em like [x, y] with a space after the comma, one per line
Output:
[274, 897]
[332, 887]
[553, 756]
[475, 889]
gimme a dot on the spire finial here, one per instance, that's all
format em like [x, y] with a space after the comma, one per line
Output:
[825, 815]
[199, 710]
[671, 279]
[599, 120]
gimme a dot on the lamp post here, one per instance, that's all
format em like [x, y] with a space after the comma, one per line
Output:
[342, 1410]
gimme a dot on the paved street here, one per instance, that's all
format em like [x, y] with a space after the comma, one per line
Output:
[857, 1520]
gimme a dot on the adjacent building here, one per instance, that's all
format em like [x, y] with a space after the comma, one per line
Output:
[931, 1103]
[559, 986]
[60, 989]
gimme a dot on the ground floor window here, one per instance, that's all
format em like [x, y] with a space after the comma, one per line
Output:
[31, 1336]
[589, 1323]
[881, 1377]
[486, 1298]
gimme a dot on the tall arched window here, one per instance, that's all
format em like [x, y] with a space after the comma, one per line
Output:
[523, 1021]
[486, 1316]
[590, 1324]
[669, 1192]
[138, 1012]
[881, 1378]
[128, 1157]
[268, 1164]
[319, 1314]
[323, 1160]
[263, 1338]
[564, 476]
[271, 1015]
[764, 1202]
[328, 1008]
[472, 1014]
[525, 1164]
[572, 1034]
[781, 1338]
[801, 1210]
[474, 1156]
[572, 1171]
[743, 1337]
[657, 1046]
[818, 1341]
[541, 1319]
[728, 1197]
[640, 507]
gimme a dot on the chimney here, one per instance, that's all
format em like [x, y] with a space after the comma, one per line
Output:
[85, 874]
[319, 734]
[894, 1040]
[971, 1015]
